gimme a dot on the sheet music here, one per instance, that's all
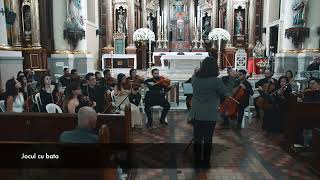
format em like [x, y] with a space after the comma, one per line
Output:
[187, 88]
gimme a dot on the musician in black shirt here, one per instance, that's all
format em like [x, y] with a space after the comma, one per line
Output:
[268, 79]
[94, 93]
[156, 96]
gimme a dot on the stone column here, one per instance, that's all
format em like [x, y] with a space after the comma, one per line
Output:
[35, 23]
[166, 20]
[59, 18]
[192, 19]
[16, 33]
[3, 27]
[252, 23]
[287, 19]
[144, 13]
[109, 29]
[313, 22]
[230, 18]
[214, 15]
[131, 22]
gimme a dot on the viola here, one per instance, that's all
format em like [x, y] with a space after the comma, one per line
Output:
[230, 106]
[268, 88]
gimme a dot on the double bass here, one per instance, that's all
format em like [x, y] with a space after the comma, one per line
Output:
[230, 106]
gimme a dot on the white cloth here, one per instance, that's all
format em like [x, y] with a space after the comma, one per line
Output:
[18, 103]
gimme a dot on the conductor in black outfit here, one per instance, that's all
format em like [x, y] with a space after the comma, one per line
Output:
[156, 96]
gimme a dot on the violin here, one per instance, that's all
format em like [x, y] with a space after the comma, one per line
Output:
[162, 81]
[111, 81]
[230, 106]
[268, 88]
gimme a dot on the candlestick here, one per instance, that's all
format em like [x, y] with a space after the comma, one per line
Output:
[150, 62]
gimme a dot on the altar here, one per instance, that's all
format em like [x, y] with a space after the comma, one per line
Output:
[119, 61]
[187, 61]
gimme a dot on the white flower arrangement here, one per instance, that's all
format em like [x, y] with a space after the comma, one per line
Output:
[219, 33]
[262, 64]
[144, 34]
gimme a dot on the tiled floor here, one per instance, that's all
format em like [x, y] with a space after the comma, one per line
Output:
[245, 154]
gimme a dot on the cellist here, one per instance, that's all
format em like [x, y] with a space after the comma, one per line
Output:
[267, 80]
[244, 101]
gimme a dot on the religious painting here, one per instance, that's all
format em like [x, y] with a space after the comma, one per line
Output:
[121, 20]
[239, 22]
[206, 26]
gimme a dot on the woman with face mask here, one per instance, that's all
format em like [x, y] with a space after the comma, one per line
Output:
[48, 93]
[14, 101]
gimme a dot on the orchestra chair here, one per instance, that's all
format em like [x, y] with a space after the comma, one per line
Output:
[53, 108]
[37, 99]
[2, 107]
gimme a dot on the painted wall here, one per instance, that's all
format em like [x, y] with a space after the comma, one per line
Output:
[313, 22]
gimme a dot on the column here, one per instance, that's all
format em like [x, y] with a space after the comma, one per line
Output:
[59, 17]
[109, 29]
[16, 33]
[82, 46]
[230, 19]
[192, 19]
[166, 20]
[214, 15]
[144, 13]
[131, 22]
[3, 28]
[252, 23]
[35, 23]
[313, 22]
[287, 23]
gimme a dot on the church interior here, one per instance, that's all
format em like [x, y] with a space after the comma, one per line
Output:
[119, 89]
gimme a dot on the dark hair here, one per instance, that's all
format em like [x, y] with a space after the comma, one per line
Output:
[130, 72]
[64, 69]
[106, 71]
[289, 71]
[20, 79]
[119, 80]
[209, 68]
[242, 71]
[18, 74]
[153, 70]
[283, 77]
[317, 80]
[97, 73]
[10, 90]
[87, 77]
[73, 71]
[42, 80]
[72, 86]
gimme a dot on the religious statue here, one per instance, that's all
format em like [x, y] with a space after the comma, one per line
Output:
[150, 22]
[206, 26]
[239, 24]
[121, 23]
[298, 8]
[179, 6]
[180, 27]
[258, 50]
[74, 17]
[27, 22]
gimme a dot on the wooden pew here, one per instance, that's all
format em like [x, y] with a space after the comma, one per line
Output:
[44, 127]
[316, 147]
[300, 116]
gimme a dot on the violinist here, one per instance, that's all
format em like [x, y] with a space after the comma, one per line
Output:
[136, 80]
[71, 102]
[230, 83]
[156, 96]
[98, 77]
[94, 93]
[122, 91]
[244, 101]
[313, 93]
[267, 82]
[108, 82]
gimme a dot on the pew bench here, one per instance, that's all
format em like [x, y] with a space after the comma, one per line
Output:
[316, 147]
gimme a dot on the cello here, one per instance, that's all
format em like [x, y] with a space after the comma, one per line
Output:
[230, 106]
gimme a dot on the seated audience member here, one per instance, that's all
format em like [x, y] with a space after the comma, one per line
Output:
[25, 89]
[313, 93]
[66, 78]
[98, 77]
[48, 93]
[14, 100]
[32, 77]
[85, 131]
[135, 96]
[314, 65]
[72, 104]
